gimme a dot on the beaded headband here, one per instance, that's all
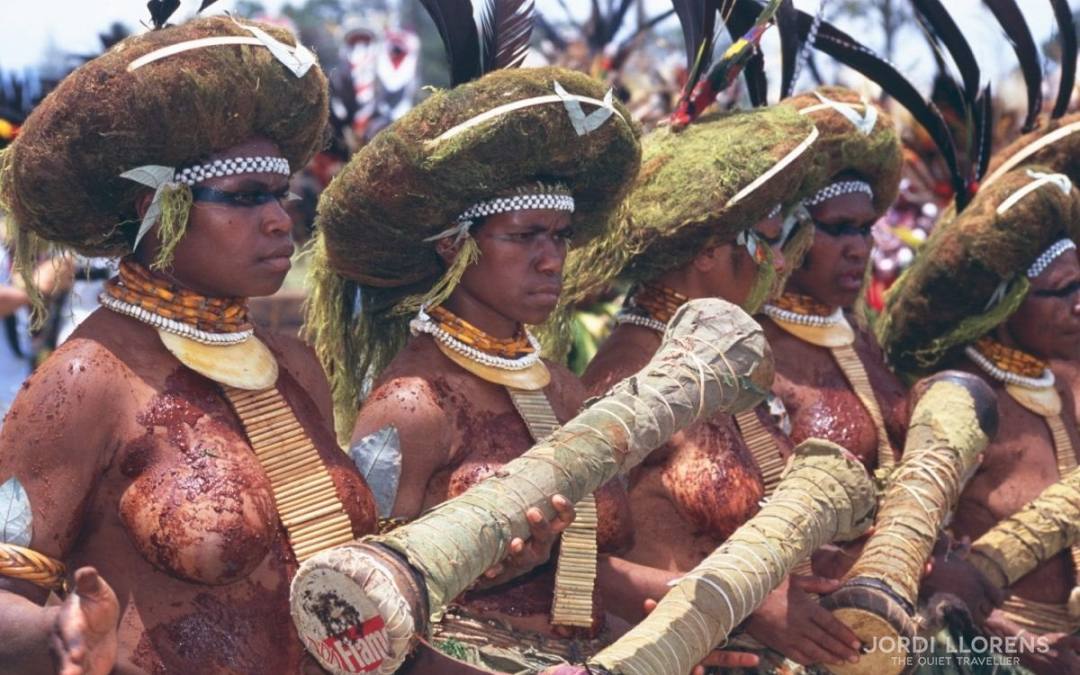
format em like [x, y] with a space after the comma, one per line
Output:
[1050, 255]
[840, 188]
[554, 198]
[161, 178]
[197, 173]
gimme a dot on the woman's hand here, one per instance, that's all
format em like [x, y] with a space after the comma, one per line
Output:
[525, 554]
[794, 624]
[84, 636]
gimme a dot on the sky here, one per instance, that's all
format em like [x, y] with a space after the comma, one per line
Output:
[72, 25]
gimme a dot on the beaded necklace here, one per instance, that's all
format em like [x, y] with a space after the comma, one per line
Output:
[1009, 365]
[650, 306]
[517, 353]
[153, 300]
[802, 310]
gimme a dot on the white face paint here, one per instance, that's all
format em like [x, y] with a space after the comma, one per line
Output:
[16, 520]
[378, 457]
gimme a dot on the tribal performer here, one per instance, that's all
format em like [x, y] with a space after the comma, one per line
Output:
[151, 469]
[830, 374]
[706, 219]
[994, 292]
[441, 241]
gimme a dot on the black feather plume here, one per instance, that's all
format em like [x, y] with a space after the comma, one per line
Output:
[506, 27]
[787, 24]
[1008, 14]
[1067, 37]
[940, 25]
[691, 15]
[457, 28]
[845, 49]
[205, 4]
[161, 10]
[984, 133]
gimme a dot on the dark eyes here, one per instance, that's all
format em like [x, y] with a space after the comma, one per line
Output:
[1063, 292]
[240, 198]
[771, 241]
[563, 235]
[843, 229]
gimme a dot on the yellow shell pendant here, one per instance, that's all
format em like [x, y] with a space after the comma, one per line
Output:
[834, 335]
[532, 378]
[1045, 402]
[246, 365]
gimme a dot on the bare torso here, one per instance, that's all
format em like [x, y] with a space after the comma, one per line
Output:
[1018, 465]
[480, 432]
[157, 487]
[691, 493]
[820, 401]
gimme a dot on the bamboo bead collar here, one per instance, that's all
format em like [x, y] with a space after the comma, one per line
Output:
[149, 298]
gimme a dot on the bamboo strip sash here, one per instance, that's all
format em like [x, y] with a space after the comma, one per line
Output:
[575, 571]
[304, 494]
[1066, 462]
[852, 366]
[763, 447]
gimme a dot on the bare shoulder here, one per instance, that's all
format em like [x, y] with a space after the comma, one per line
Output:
[624, 353]
[566, 391]
[69, 410]
[411, 404]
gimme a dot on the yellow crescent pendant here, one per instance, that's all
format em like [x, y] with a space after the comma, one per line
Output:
[246, 365]
[1044, 402]
[835, 335]
[532, 378]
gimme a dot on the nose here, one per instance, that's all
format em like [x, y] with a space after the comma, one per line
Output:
[857, 246]
[275, 219]
[551, 256]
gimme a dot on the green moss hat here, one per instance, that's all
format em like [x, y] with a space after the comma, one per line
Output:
[60, 179]
[874, 154]
[969, 275]
[463, 146]
[704, 184]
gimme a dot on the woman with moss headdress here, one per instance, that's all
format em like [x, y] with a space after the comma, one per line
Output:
[439, 243]
[830, 375]
[704, 219]
[994, 291]
[164, 446]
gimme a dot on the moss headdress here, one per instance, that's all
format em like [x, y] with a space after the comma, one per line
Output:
[60, 180]
[969, 275]
[700, 186]
[855, 137]
[373, 267]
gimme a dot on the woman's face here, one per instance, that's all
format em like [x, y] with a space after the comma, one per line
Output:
[1048, 321]
[519, 274]
[239, 237]
[832, 271]
[729, 271]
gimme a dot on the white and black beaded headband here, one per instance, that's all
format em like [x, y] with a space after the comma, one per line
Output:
[838, 189]
[553, 199]
[1050, 255]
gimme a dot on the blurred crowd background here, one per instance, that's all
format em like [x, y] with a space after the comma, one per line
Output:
[383, 56]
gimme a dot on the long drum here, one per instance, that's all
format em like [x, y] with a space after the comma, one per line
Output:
[359, 608]
[950, 427]
[824, 495]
